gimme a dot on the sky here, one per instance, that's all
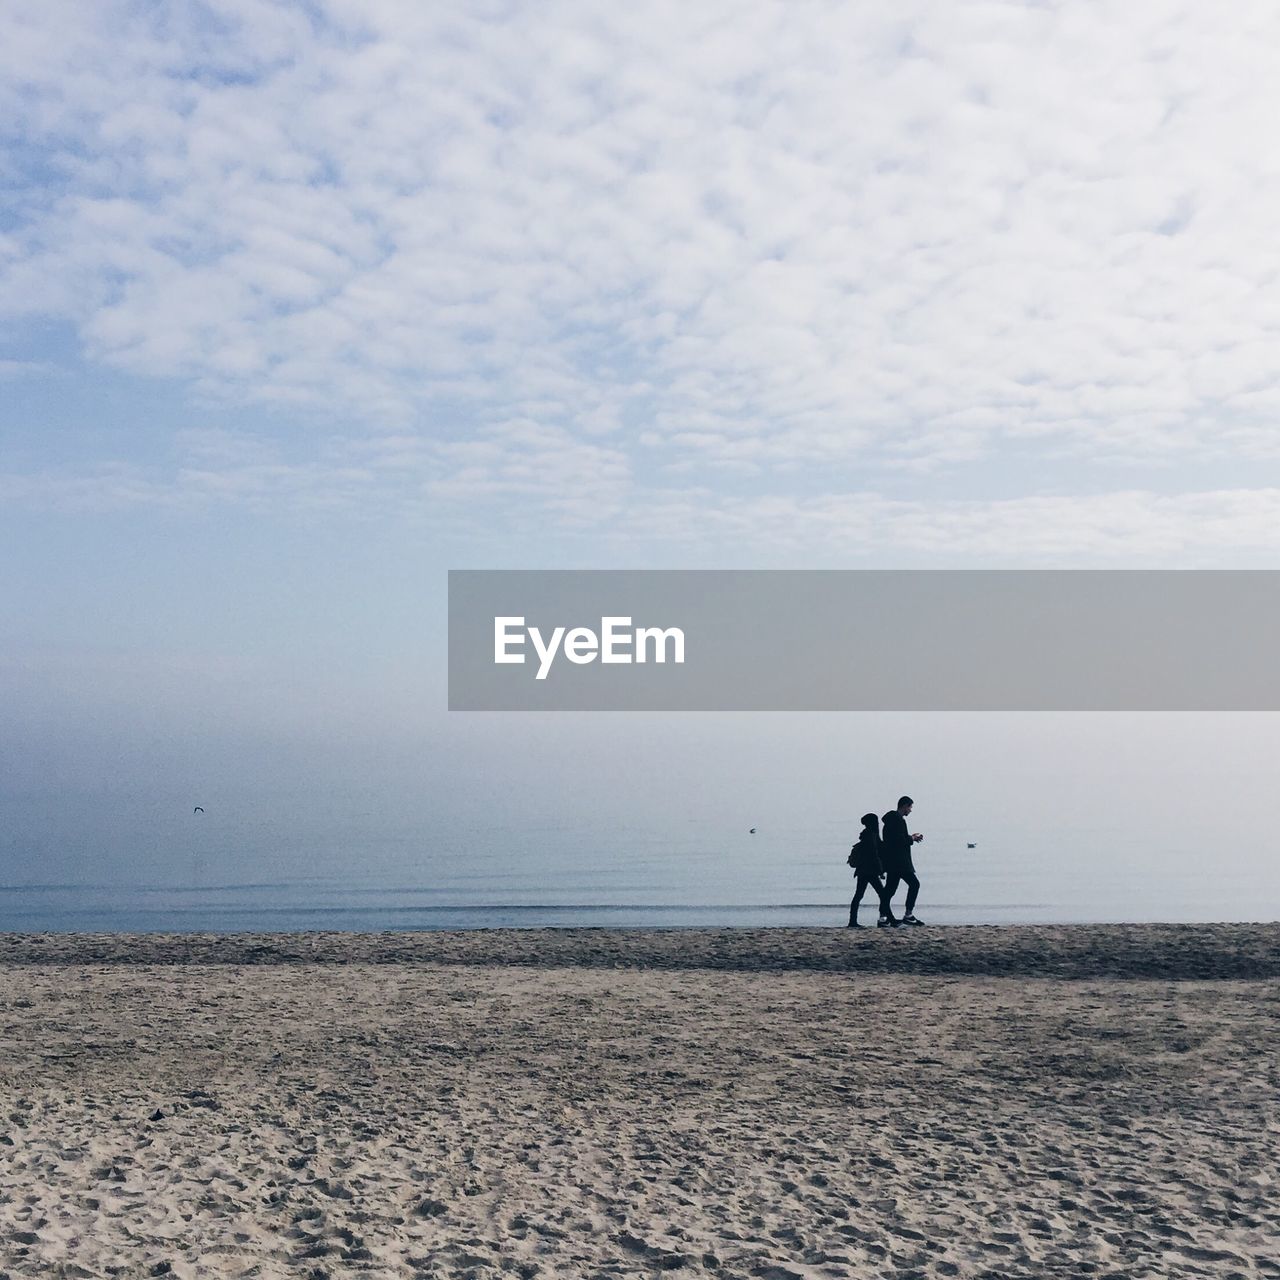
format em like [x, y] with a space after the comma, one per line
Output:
[302, 305]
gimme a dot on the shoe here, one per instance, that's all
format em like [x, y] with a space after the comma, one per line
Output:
[853, 924]
[911, 920]
[886, 922]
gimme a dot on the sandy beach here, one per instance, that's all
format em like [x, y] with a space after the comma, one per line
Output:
[1027, 1101]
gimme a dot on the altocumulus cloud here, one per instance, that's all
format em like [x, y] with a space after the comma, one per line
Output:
[714, 270]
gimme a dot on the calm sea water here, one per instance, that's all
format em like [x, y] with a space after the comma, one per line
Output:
[156, 866]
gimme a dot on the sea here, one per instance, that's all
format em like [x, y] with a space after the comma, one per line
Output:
[150, 865]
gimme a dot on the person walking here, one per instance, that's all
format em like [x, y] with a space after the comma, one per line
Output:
[864, 858]
[896, 856]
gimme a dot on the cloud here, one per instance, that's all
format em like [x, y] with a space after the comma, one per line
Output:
[754, 247]
[1137, 528]
[524, 484]
[14, 369]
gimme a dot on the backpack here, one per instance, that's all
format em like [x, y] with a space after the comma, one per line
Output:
[852, 859]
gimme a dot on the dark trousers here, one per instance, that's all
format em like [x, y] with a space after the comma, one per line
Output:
[907, 877]
[861, 888]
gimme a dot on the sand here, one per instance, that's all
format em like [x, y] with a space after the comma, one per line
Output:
[754, 1103]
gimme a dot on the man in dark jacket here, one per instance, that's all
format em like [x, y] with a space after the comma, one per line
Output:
[896, 856]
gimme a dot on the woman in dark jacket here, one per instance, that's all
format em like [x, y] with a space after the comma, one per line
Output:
[864, 858]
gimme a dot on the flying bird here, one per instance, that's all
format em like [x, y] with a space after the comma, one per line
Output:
[752, 831]
[971, 845]
[198, 809]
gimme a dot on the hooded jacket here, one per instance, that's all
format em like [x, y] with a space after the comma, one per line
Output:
[866, 854]
[897, 842]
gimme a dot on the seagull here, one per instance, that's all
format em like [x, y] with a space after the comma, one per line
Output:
[752, 831]
[198, 809]
[971, 845]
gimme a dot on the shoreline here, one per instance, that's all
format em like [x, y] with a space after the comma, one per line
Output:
[1086, 951]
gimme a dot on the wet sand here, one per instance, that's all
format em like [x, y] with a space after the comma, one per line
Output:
[1028, 1101]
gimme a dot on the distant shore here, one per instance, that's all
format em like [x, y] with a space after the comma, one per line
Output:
[1168, 951]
